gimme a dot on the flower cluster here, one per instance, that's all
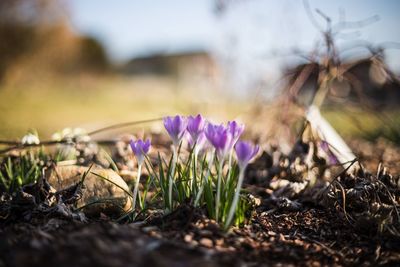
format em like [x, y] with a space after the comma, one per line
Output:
[200, 131]
[222, 140]
[200, 178]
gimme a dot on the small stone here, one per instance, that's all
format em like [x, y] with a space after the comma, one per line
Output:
[36, 244]
[219, 242]
[206, 242]
[188, 238]
[148, 229]
[231, 249]
[206, 233]
[99, 195]
[155, 234]
[271, 233]
[281, 237]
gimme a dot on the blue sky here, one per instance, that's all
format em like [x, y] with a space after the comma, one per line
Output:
[134, 27]
[248, 33]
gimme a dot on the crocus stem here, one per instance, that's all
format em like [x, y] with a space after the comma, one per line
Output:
[193, 180]
[235, 198]
[136, 189]
[196, 182]
[171, 177]
[221, 164]
[203, 181]
[229, 165]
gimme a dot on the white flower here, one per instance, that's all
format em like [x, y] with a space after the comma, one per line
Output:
[30, 139]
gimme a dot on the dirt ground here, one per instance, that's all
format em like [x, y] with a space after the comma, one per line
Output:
[292, 231]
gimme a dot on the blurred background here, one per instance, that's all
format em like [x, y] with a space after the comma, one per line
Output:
[93, 63]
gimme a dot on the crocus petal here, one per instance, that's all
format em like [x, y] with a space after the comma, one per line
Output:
[132, 143]
[146, 146]
[245, 152]
[236, 131]
[176, 124]
[167, 124]
[201, 141]
[212, 134]
[219, 137]
[195, 125]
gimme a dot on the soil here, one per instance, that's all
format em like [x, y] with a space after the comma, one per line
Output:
[300, 232]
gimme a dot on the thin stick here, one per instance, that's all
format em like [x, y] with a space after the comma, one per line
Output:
[122, 125]
[18, 145]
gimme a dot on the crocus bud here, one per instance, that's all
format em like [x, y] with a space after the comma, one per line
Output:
[220, 138]
[236, 131]
[176, 127]
[140, 149]
[195, 126]
[201, 144]
[245, 152]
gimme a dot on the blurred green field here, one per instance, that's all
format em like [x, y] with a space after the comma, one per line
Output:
[93, 103]
[359, 123]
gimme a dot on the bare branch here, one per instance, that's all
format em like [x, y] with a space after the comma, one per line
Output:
[348, 25]
[122, 125]
[311, 16]
[324, 16]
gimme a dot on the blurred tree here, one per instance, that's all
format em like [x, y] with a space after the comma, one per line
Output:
[35, 39]
[15, 34]
[92, 54]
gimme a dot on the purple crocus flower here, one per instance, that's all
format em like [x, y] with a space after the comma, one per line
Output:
[236, 131]
[140, 149]
[195, 126]
[176, 127]
[219, 137]
[201, 143]
[245, 151]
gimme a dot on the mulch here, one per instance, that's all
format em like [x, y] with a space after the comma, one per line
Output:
[312, 234]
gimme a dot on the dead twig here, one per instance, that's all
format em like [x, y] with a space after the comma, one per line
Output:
[14, 145]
